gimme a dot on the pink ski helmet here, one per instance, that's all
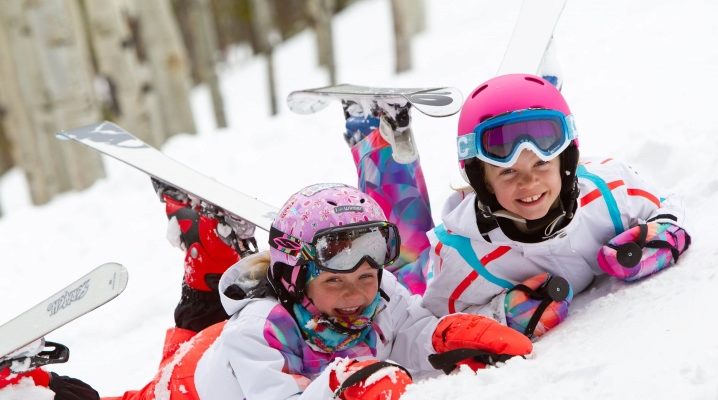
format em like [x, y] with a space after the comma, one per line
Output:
[308, 211]
[508, 93]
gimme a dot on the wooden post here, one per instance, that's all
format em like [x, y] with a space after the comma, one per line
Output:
[47, 86]
[204, 43]
[402, 35]
[417, 17]
[6, 160]
[65, 59]
[266, 38]
[321, 13]
[136, 104]
[168, 64]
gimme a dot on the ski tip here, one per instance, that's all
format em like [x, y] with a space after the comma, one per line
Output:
[117, 276]
[440, 102]
[302, 102]
[65, 134]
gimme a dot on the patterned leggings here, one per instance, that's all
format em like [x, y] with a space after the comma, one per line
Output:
[400, 190]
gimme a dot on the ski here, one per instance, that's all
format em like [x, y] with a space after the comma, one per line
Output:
[434, 102]
[112, 140]
[96, 288]
[532, 37]
[390, 105]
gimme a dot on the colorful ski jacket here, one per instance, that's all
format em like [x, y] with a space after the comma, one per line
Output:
[471, 274]
[261, 354]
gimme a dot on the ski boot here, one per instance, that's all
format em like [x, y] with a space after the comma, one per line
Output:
[550, 68]
[395, 128]
[359, 123]
[212, 238]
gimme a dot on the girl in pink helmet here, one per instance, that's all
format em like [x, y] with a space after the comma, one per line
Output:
[536, 225]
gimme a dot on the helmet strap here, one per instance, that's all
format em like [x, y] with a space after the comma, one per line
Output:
[487, 205]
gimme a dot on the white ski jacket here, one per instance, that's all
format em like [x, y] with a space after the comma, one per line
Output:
[261, 355]
[470, 274]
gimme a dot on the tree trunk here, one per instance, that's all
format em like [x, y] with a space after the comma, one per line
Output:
[417, 17]
[204, 43]
[321, 13]
[402, 36]
[48, 87]
[134, 105]
[266, 38]
[168, 64]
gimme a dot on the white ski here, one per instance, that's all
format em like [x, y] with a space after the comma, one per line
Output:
[531, 37]
[385, 103]
[99, 286]
[434, 102]
[117, 143]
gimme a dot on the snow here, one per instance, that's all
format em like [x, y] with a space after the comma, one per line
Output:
[641, 79]
[26, 389]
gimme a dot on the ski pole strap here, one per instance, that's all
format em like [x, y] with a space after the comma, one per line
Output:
[447, 361]
[363, 374]
[463, 245]
[605, 191]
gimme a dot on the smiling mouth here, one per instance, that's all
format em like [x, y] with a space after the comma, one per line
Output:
[531, 199]
[348, 311]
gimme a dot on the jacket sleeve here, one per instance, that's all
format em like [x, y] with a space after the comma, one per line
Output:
[454, 286]
[260, 368]
[413, 327]
[645, 201]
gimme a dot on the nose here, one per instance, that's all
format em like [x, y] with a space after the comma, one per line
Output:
[526, 178]
[353, 295]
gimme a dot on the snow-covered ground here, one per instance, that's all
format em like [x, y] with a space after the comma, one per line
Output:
[641, 78]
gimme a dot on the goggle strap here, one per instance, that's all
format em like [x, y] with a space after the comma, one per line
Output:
[466, 146]
[285, 242]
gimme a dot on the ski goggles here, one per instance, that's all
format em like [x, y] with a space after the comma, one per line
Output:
[500, 140]
[343, 248]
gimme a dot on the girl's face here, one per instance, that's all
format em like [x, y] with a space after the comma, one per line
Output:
[344, 295]
[528, 188]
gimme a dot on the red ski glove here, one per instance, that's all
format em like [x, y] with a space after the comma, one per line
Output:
[39, 376]
[476, 341]
[368, 380]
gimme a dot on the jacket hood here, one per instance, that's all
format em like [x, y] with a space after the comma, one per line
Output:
[459, 215]
[246, 274]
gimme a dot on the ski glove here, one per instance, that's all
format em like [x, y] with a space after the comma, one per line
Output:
[371, 379]
[476, 341]
[643, 250]
[538, 304]
[212, 239]
[67, 388]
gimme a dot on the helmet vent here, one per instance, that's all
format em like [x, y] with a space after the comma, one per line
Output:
[482, 87]
[362, 201]
[332, 203]
[534, 80]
